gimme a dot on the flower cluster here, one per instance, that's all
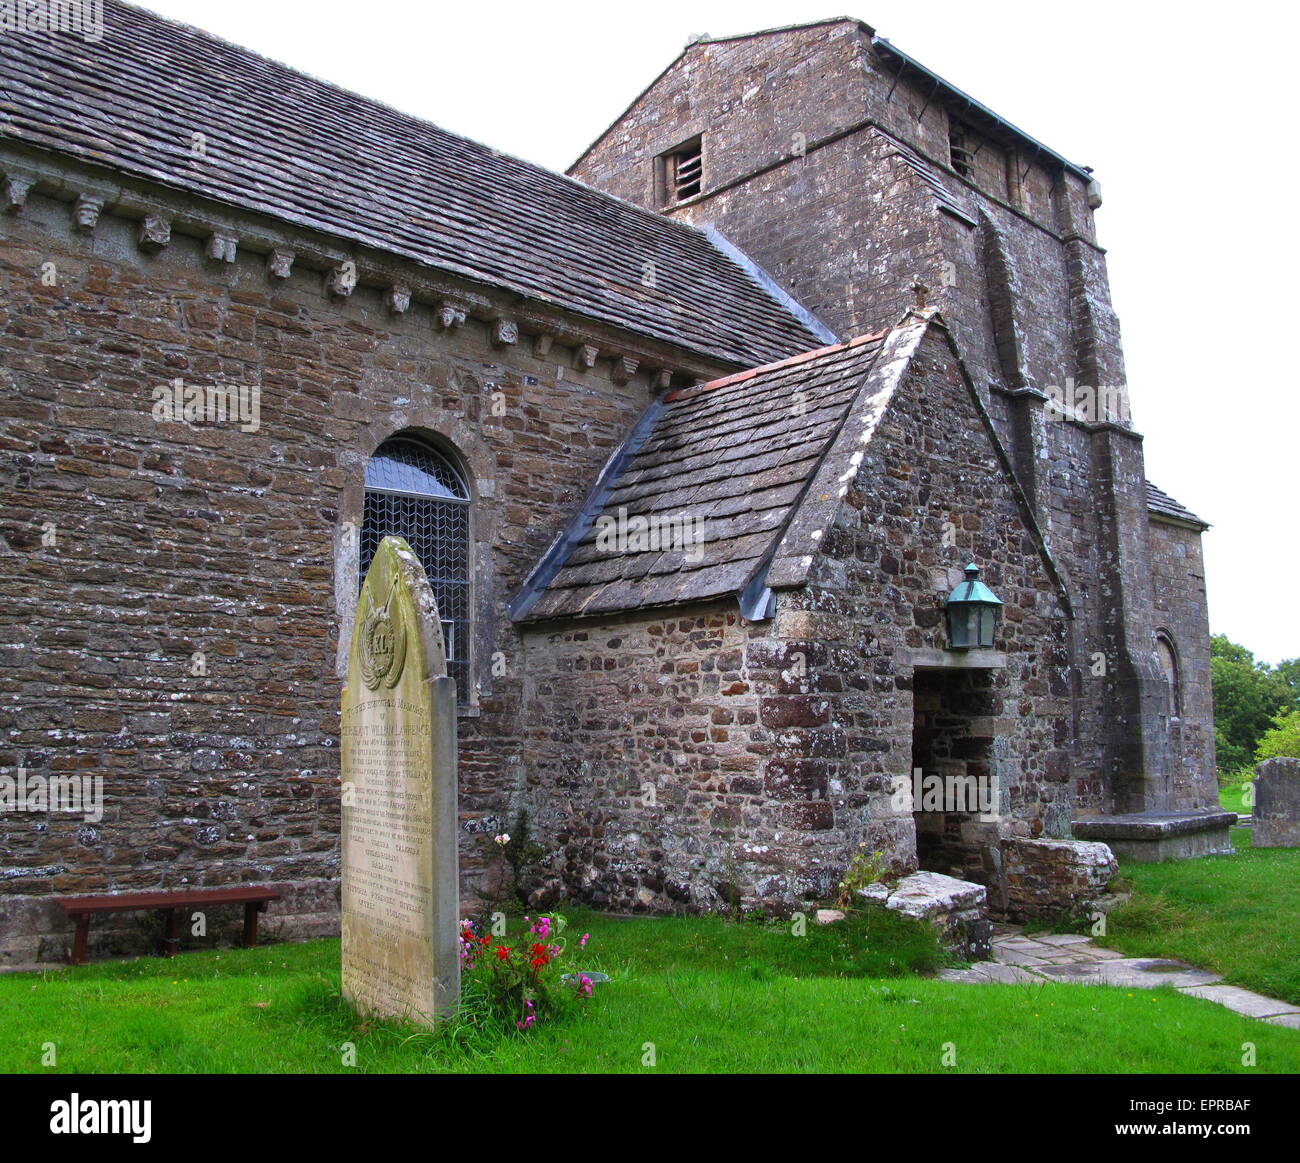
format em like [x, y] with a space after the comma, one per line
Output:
[525, 979]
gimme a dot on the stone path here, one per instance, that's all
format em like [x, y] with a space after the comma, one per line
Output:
[1069, 957]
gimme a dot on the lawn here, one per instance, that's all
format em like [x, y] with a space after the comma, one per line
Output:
[1232, 797]
[1238, 915]
[701, 994]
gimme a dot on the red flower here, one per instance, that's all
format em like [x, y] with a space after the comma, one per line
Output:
[502, 952]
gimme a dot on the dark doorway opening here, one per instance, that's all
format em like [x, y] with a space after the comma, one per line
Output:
[955, 798]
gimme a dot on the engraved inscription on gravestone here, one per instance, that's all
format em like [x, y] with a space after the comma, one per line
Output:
[398, 745]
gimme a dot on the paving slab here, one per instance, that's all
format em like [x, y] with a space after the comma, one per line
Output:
[1064, 939]
[1130, 973]
[1290, 1020]
[1243, 1001]
[1015, 956]
[1026, 943]
[989, 973]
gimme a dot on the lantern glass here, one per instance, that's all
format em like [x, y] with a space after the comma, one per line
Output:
[973, 610]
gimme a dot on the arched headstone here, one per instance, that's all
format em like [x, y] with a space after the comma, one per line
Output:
[398, 751]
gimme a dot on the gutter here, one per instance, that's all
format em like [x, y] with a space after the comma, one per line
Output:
[1084, 173]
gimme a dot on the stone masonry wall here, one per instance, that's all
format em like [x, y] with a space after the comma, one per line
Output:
[774, 749]
[930, 496]
[129, 544]
[1181, 612]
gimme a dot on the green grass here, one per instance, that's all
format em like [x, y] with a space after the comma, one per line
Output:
[710, 995]
[1238, 915]
[1231, 795]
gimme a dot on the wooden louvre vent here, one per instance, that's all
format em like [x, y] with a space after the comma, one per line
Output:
[686, 170]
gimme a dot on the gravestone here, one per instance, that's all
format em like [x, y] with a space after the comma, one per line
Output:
[1276, 808]
[398, 751]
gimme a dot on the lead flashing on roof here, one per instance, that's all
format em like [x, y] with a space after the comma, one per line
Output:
[769, 284]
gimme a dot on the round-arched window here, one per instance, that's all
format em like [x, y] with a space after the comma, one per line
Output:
[415, 492]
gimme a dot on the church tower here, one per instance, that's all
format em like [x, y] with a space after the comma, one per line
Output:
[857, 179]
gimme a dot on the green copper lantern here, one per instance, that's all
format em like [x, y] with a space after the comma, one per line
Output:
[973, 611]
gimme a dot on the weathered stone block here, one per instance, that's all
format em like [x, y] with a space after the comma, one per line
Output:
[1045, 877]
[1276, 811]
[957, 908]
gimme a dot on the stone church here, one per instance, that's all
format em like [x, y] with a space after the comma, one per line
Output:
[695, 445]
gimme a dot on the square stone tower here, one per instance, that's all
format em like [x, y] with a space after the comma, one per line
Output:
[859, 181]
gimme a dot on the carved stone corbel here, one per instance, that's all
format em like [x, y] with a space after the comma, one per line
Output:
[623, 368]
[86, 211]
[342, 279]
[222, 246]
[505, 333]
[155, 233]
[586, 356]
[398, 299]
[17, 187]
[449, 315]
[279, 262]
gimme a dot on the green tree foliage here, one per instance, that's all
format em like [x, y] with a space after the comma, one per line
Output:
[1283, 738]
[1248, 695]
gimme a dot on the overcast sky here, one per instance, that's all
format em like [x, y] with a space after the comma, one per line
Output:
[1184, 110]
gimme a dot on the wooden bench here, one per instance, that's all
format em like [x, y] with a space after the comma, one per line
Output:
[171, 904]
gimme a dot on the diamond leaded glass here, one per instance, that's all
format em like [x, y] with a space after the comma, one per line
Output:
[415, 493]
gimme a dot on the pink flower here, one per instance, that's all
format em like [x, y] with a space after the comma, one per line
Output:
[583, 943]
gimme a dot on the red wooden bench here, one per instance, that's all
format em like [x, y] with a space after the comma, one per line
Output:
[171, 904]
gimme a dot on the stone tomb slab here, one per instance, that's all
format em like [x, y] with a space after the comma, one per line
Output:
[398, 751]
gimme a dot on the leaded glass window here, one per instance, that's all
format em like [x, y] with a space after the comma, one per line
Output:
[414, 492]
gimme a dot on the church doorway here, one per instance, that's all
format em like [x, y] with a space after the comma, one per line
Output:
[955, 798]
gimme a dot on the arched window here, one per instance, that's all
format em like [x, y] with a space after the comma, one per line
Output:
[1169, 665]
[414, 491]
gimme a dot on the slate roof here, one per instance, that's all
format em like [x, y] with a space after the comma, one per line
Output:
[1163, 504]
[309, 153]
[736, 454]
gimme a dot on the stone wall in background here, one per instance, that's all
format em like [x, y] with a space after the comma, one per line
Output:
[175, 593]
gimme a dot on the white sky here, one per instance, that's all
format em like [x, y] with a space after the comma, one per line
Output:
[1183, 109]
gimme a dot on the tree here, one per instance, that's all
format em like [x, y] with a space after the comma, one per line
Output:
[1247, 696]
[1283, 738]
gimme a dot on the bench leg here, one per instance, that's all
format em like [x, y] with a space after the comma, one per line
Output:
[78, 954]
[172, 942]
[251, 909]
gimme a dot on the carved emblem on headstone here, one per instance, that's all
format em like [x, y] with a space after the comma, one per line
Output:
[383, 644]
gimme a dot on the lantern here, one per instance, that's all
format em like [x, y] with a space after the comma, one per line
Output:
[973, 613]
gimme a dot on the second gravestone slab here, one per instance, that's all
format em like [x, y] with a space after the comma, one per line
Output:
[401, 895]
[1276, 808]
